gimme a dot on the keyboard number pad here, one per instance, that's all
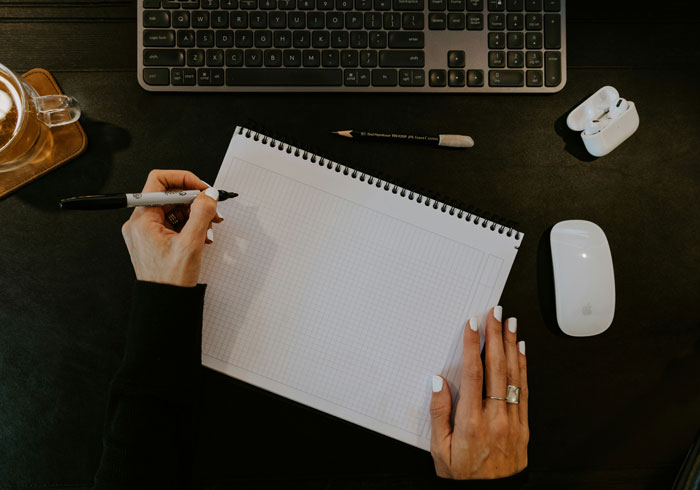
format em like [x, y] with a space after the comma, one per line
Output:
[523, 40]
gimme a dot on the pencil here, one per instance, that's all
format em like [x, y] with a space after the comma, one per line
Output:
[451, 140]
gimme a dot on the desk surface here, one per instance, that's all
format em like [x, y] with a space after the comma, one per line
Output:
[614, 411]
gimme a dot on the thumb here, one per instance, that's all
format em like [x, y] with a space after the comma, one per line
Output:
[440, 410]
[202, 212]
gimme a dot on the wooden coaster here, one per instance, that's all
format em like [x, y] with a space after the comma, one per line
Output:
[69, 141]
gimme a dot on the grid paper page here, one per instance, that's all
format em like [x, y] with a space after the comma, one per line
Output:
[341, 295]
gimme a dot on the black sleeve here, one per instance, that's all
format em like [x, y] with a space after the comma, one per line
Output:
[514, 482]
[149, 428]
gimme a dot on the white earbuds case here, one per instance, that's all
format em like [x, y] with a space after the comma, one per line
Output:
[605, 120]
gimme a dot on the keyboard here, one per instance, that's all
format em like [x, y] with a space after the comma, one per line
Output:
[443, 46]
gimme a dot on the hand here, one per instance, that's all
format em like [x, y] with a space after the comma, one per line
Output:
[489, 438]
[170, 253]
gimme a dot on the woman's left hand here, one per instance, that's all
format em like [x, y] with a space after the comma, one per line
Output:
[489, 438]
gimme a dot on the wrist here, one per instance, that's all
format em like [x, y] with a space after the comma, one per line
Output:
[178, 275]
[168, 281]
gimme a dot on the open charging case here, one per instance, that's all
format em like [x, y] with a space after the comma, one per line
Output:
[614, 132]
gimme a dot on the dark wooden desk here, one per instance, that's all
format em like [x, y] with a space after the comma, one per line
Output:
[614, 411]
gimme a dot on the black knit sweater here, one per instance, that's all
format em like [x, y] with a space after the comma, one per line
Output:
[150, 428]
[149, 432]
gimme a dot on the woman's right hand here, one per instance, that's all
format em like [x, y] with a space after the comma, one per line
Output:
[166, 253]
[489, 438]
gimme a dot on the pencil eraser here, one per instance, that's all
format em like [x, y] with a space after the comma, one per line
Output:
[456, 141]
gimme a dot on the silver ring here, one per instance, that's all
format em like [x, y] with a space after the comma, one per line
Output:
[497, 398]
[173, 219]
[512, 395]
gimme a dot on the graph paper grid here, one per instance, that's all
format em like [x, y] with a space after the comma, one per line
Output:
[338, 304]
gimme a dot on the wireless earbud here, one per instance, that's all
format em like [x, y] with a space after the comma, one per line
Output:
[593, 127]
[618, 108]
[605, 120]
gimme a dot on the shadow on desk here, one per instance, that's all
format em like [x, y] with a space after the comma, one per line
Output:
[573, 144]
[85, 174]
[545, 283]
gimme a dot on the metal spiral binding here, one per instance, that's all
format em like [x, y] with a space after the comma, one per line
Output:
[379, 183]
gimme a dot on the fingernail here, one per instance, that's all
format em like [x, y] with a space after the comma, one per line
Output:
[474, 323]
[213, 193]
[512, 325]
[437, 384]
[205, 183]
[521, 347]
[218, 215]
[497, 312]
[210, 234]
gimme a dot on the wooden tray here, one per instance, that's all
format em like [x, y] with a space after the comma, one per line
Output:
[69, 141]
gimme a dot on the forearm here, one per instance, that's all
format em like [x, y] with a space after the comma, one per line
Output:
[149, 427]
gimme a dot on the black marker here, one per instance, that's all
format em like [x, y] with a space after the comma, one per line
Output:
[113, 201]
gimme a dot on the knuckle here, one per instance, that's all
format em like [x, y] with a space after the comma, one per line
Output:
[206, 205]
[474, 372]
[439, 410]
[498, 366]
[525, 436]
[210, 204]
[514, 428]
[211, 209]
[473, 425]
[500, 428]
[474, 340]
[153, 174]
[524, 393]
[471, 336]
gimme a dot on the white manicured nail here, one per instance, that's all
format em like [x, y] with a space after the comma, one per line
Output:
[497, 312]
[205, 183]
[210, 234]
[521, 347]
[218, 214]
[437, 384]
[474, 323]
[512, 325]
[213, 193]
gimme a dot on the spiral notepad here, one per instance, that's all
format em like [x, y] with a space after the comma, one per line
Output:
[342, 291]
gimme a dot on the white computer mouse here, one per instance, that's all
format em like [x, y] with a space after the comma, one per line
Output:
[584, 282]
